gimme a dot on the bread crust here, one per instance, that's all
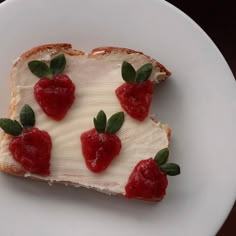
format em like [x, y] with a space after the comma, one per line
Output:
[67, 49]
[108, 50]
[57, 47]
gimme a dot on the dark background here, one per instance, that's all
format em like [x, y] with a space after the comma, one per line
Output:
[218, 19]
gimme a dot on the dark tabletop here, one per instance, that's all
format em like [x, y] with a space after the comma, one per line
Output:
[218, 19]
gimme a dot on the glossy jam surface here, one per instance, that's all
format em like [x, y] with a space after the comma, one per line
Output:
[147, 181]
[99, 149]
[136, 98]
[55, 96]
[32, 149]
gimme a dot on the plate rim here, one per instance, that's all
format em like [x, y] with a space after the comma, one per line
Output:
[209, 41]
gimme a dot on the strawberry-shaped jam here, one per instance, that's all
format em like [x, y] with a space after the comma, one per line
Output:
[99, 149]
[136, 98]
[29, 146]
[32, 150]
[54, 92]
[101, 145]
[55, 96]
[135, 95]
[148, 181]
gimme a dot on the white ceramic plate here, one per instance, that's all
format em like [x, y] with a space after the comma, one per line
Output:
[199, 102]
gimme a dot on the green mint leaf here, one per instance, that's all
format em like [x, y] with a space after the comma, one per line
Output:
[128, 72]
[162, 156]
[40, 69]
[115, 122]
[100, 122]
[11, 127]
[171, 169]
[143, 73]
[58, 64]
[27, 116]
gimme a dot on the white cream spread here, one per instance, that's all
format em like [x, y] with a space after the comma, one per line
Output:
[95, 81]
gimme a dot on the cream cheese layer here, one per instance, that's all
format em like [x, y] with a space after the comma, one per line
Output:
[96, 80]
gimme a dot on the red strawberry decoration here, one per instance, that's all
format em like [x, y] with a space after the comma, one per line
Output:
[29, 146]
[100, 145]
[54, 92]
[148, 181]
[135, 95]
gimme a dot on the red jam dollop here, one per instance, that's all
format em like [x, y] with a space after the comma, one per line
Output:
[147, 181]
[32, 149]
[55, 96]
[99, 149]
[136, 98]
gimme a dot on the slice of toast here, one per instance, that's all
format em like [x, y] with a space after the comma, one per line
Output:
[96, 75]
